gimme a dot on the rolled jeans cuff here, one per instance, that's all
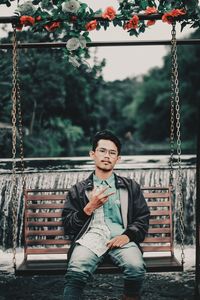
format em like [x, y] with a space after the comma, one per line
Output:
[72, 293]
[73, 289]
[132, 287]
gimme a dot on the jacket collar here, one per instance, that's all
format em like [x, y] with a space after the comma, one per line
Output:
[118, 182]
[89, 182]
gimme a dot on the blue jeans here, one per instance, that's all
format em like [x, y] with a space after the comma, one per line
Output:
[84, 262]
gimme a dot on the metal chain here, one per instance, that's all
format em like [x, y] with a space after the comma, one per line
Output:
[176, 102]
[14, 142]
[171, 160]
[20, 127]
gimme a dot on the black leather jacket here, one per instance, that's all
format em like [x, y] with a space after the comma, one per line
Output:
[135, 218]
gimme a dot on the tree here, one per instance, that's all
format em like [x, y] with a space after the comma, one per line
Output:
[63, 106]
[51, 90]
[150, 107]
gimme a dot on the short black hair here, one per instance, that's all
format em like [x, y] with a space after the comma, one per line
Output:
[106, 135]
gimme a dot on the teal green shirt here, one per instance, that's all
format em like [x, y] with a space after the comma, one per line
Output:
[112, 210]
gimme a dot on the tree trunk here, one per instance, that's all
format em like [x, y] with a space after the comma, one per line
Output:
[33, 117]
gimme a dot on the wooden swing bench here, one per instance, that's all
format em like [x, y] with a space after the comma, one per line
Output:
[44, 235]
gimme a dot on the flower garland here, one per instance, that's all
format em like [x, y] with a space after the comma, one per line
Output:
[75, 19]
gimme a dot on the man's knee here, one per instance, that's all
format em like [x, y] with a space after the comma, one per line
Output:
[131, 261]
[82, 264]
[79, 267]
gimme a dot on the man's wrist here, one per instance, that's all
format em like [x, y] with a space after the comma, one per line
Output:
[88, 210]
[129, 234]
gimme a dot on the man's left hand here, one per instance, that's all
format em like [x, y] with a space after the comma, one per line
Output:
[118, 241]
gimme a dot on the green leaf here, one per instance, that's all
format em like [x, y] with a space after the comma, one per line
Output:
[36, 2]
[142, 29]
[106, 25]
[195, 24]
[98, 26]
[115, 23]
[133, 32]
[183, 25]
[144, 4]
[152, 3]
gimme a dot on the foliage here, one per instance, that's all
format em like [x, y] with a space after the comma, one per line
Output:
[73, 19]
[63, 107]
[111, 97]
[57, 138]
[150, 108]
[55, 99]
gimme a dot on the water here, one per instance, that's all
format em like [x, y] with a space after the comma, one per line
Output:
[62, 173]
[85, 163]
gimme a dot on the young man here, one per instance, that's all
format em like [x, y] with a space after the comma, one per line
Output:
[108, 215]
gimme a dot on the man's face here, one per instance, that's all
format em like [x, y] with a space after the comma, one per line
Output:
[105, 155]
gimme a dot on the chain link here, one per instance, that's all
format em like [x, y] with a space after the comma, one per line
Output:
[172, 146]
[175, 111]
[20, 129]
[14, 142]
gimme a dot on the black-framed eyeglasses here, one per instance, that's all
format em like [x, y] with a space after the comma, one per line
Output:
[104, 151]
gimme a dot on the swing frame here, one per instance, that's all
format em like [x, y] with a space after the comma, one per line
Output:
[14, 19]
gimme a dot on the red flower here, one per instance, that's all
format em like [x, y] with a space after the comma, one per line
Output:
[178, 12]
[92, 25]
[38, 19]
[169, 16]
[151, 10]
[109, 13]
[73, 19]
[151, 22]
[52, 26]
[132, 23]
[27, 20]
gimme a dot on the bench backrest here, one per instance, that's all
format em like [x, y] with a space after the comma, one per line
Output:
[44, 233]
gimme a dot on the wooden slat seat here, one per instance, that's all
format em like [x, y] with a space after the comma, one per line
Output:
[44, 234]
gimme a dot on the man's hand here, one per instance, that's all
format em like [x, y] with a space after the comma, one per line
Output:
[97, 199]
[118, 241]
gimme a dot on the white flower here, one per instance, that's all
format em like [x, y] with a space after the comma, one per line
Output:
[73, 60]
[26, 8]
[70, 6]
[73, 44]
[82, 41]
